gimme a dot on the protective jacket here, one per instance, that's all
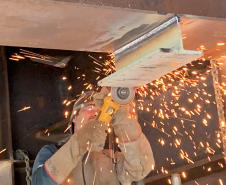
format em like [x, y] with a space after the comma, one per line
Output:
[132, 164]
[100, 167]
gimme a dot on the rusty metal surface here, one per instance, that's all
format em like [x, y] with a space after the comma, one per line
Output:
[193, 7]
[208, 33]
[60, 26]
[98, 26]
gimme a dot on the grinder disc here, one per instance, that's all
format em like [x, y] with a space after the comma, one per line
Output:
[122, 95]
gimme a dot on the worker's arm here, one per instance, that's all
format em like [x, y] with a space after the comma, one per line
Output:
[39, 175]
[60, 164]
[136, 159]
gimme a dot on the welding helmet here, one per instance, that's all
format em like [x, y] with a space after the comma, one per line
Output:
[85, 99]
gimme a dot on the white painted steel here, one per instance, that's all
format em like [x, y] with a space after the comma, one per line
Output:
[176, 180]
[149, 68]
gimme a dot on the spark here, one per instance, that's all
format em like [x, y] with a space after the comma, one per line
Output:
[178, 142]
[220, 44]
[88, 153]
[109, 130]
[221, 182]
[161, 141]
[221, 165]
[210, 150]
[66, 114]
[15, 59]
[94, 177]
[204, 121]
[183, 174]
[116, 140]
[3, 151]
[82, 120]
[69, 126]
[18, 56]
[23, 109]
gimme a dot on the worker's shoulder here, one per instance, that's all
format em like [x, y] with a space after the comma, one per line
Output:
[48, 149]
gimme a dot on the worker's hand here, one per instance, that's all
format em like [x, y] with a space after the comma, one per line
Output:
[67, 157]
[92, 136]
[125, 124]
[99, 97]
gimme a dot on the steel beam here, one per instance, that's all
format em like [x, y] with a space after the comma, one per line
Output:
[176, 180]
[184, 168]
[219, 102]
[105, 26]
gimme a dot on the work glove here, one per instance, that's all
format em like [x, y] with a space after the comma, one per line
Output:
[91, 137]
[124, 121]
[99, 97]
[125, 124]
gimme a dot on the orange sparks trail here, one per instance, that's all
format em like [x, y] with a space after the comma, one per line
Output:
[66, 114]
[183, 175]
[67, 128]
[3, 151]
[183, 102]
[221, 182]
[23, 109]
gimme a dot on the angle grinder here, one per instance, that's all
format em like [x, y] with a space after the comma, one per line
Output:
[120, 96]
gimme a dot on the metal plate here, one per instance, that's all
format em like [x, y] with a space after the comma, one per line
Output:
[209, 33]
[71, 26]
[65, 26]
[149, 68]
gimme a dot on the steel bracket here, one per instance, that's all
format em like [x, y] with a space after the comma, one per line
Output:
[150, 56]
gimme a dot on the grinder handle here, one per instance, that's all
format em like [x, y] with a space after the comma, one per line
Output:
[108, 109]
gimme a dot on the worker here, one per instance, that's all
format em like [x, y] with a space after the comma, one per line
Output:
[82, 159]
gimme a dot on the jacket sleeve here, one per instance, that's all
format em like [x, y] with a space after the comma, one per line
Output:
[39, 174]
[135, 161]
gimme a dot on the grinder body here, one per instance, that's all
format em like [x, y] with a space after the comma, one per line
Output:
[120, 96]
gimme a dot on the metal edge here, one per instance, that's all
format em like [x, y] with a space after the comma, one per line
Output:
[128, 9]
[147, 35]
[199, 53]
[9, 144]
[184, 168]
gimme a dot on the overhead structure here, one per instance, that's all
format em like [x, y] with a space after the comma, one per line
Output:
[106, 26]
[150, 56]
